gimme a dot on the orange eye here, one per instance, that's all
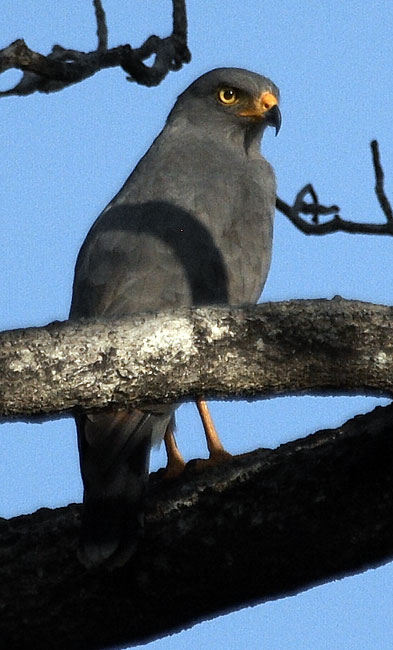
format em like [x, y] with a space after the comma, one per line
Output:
[228, 96]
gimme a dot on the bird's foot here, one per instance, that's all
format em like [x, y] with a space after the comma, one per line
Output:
[173, 469]
[219, 457]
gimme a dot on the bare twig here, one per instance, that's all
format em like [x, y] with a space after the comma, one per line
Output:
[179, 18]
[337, 224]
[102, 30]
[379, 178]
[63, 67]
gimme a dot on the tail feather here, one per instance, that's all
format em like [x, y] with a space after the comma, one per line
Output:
[114, 454]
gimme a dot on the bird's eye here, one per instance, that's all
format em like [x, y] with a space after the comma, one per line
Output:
[228, 96]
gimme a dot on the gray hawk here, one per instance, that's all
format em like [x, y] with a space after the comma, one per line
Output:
[192, 225]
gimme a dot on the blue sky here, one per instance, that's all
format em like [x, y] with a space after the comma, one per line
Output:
[66, 154]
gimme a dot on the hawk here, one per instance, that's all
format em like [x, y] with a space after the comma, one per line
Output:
[192, 225]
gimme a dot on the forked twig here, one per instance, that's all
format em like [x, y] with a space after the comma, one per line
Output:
[336, 223]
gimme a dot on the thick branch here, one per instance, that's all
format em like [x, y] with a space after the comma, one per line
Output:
[264, 350]
[63, 67]
[337, 224]
[267, 524]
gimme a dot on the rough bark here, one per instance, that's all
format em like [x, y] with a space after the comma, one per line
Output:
[265, 350]
[267, 524]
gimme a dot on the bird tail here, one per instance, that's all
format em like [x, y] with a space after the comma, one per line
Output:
[114, 454]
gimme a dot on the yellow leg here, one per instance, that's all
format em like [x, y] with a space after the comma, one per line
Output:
[217, 453]
[175, 463]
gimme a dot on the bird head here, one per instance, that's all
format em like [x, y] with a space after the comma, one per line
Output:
[232, 97]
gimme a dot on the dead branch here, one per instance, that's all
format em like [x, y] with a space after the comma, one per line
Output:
[265, 525]
[260, 350]
[63, 67]
[337, 224]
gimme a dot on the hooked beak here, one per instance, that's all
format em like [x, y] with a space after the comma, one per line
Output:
[273, 117]
[264, 109]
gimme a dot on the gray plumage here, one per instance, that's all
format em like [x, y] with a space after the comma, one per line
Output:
[192, 225]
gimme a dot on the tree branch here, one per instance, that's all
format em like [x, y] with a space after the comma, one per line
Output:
[337, 224]
[265, 525]
[260, 350]
[63, 67]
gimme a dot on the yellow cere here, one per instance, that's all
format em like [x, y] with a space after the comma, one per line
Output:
[267, 100]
